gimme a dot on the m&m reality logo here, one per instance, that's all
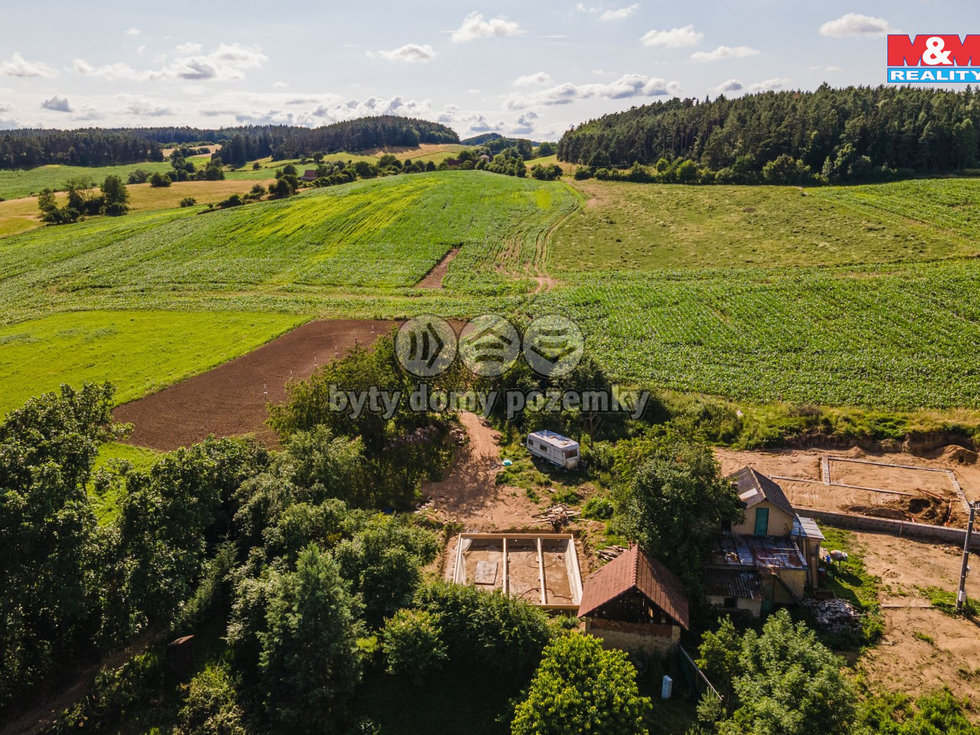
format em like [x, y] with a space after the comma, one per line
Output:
[934, 59]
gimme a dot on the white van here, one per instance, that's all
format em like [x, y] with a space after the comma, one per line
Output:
[555, 448]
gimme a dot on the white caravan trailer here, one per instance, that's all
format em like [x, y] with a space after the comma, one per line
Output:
[555, 448]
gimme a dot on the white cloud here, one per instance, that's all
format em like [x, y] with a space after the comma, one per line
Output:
[769, 84]
[532, 80]
[143, 107]
[820, 67]
[628, 85]
[729, 86]
[725, 52]
[133, 31]
[410, 53]
[18, 66]
[227, 61]
[619, 13]
[674, 38]
[280, 85]
[188, 48]
[475, 26]
[855, 25]
[57, 104]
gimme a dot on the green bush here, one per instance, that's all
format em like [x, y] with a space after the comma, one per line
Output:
[499, 632]
[412, 643]
[580, 687]
[210, 706]
[598, 509]
[188, 202]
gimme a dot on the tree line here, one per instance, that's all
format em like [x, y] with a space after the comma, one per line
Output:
[28, 148]
[99, 147]
[834, 135]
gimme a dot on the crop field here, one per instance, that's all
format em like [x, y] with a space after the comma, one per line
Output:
[896, 337]
[654, 227]
[381, 234]
[139, 351]
[16, 183]
[852, 296]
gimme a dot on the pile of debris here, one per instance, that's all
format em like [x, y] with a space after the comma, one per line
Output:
[835, 615]
[610, 552]
[558, 516]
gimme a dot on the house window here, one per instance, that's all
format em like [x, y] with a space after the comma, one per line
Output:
[761, 521]
[731, 603]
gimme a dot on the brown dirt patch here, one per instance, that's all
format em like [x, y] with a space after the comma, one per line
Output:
[470, 494]
[232, 399]
[927, 496]
[434, 278]
[904, 661]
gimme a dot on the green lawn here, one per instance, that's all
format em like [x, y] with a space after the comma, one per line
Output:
[138, 351]
[627, 226]
[16, 183]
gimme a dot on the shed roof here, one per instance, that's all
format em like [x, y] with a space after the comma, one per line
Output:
[733, 583]
[807, 528]
[635, 570]
[754, 487]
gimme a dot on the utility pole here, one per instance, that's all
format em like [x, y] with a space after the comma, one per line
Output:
[965, 569]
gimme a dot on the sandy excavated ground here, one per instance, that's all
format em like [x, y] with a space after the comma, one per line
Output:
[903, 662]
[930, 494]
[470, 494]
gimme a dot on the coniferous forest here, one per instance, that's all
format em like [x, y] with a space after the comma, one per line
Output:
[98, 147]
[848, 134]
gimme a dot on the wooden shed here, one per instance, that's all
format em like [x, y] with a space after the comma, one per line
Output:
[635, 603]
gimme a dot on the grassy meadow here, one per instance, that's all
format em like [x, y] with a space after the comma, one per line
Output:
[626, 226]
[138, 351]
[17, 183]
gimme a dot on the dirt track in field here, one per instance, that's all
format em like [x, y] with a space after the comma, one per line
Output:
[233, 398]
[434, 278]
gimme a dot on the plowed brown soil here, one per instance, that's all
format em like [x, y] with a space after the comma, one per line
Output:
[233, 399]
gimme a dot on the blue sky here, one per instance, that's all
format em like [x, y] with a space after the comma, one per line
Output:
[530, 69]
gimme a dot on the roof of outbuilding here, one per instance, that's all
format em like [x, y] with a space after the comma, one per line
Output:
[754, 487]
[635, 570]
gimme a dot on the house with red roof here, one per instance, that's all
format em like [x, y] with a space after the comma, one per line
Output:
[636, 604]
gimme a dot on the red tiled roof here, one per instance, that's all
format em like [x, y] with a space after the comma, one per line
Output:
[635, 570]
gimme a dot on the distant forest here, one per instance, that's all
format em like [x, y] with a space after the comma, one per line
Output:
[855, 133]
[99, 147]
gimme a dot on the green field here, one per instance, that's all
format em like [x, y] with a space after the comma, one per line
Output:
[138, 351]
[851, 296]
[655, 227]
[358, 239]
[16, 183]
[898, 337]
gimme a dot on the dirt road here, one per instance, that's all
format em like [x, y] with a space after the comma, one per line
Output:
[470, 493]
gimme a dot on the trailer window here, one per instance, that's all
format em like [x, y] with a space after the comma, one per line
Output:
[569, 453]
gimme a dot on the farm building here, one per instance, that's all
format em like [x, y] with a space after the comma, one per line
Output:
[768, 511]
[539, 568]
[636, 604]
[309, 175]
[771, 557]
